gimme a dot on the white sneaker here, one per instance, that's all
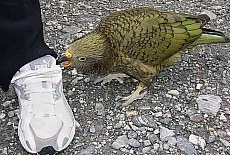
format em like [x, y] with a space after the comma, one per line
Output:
[45, 118]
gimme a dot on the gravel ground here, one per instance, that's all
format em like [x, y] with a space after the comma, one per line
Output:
[187, 107]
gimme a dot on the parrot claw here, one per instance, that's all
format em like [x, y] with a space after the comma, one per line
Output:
[134, 96]
[110, 77]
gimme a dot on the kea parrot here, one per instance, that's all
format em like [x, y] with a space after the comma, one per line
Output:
[138, 42]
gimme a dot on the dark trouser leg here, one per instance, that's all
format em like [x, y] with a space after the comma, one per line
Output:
[21, 37]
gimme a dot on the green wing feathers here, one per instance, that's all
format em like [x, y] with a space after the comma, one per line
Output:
[152, 36]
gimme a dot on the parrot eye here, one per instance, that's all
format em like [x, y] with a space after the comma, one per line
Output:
[82, 59]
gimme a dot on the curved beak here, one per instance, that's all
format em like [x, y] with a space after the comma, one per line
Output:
[64, 58]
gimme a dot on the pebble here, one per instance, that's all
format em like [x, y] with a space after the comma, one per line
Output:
[223, 117]
[165, 134]
[74, 72]
[172, 141]
[147, 143]
[153, 138]
[6, 104]
[146, 120]
[197, 141]
[211, 138]
[131, 113]
[100, 110]
[92, 129]
[225, 142]
[145, 150]
[209, 104]
[173, 92]
[158, 114]
[196, 117]
[132, 134]
[133, 142]
[198, 86]
[216, 7]
[166, 146]
[90, 150]
[156, 146]
[120, 142]
[186, 146]
[2, 115]
[123, 141]
[157, 131]
[209, 13]
[86, 80]
[11, 114]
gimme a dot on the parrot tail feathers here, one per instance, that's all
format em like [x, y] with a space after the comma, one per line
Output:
[210, 37]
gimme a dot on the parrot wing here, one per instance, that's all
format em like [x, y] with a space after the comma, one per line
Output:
[151, 36]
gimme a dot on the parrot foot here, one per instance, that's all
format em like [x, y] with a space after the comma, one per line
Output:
[110, 77]
[134, 96]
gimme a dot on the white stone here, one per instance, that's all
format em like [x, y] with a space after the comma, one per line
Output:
[223, 118]
[209, 13]
[165, 134]
[173, 92]
[198, 86]
[156, 146]
[209, 104]
[197, 141]
[74, 72]
[145, 150]
[131, 113]
[2, 115]
[225, 142]
[157, 131]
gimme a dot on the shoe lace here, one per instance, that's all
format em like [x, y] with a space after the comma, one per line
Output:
[41, 100]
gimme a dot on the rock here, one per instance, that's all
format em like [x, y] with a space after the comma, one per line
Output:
[216, 7]
[209, 13]
[92, 129]
[186, 146]
[11, 114]
[223, 118]
[133, 142]
[157, 131]
[165, 134]
[211, 138]
[209, 104]
[198, 86]
[147, 143]
[90, 150]
[156, 146]
[196, 117]
[197, 141]
[131, 113]
[120, 142]
[132, 134]
[6, 104]
[146, 120]
[172, 141]
[225, 142]
[2, 115]
[166, 146]
[123, 141]
[173, 92]
[100, 110]
[153, 138]
[145, 150]
[158, 114]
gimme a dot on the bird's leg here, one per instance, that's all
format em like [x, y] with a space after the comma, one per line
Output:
[135, 95]
[110, 77]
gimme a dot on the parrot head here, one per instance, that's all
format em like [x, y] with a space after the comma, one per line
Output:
[88, 54]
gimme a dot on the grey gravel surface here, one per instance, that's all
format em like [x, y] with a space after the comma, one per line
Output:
[175, 117]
